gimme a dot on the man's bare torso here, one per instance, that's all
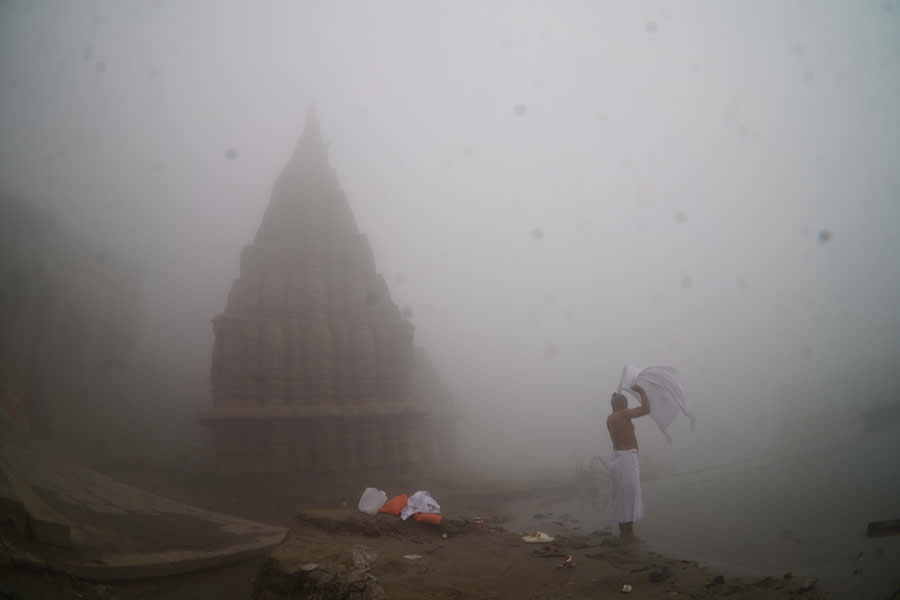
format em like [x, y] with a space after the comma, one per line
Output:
[621, 431]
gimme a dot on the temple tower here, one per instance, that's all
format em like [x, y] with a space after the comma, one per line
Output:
[313, 364]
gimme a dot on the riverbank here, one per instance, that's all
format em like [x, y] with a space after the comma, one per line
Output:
[327, 551]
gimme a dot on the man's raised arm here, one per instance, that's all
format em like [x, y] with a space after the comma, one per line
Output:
[644, 408]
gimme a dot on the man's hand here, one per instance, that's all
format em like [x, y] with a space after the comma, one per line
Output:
[644, 408]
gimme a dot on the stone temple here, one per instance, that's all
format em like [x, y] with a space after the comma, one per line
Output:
[314, 368]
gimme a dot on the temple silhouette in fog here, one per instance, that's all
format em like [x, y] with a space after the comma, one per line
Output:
[313, 366]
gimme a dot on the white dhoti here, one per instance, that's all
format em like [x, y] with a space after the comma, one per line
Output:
[625, 474]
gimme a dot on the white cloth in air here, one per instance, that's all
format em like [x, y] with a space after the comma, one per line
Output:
[420, 502]
[664, 391]
[625, 475]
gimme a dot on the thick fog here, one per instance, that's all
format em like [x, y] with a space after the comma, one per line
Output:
[554, 189]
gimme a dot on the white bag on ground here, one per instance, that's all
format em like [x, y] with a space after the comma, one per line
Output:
[371, 501]
[664, 392]
[420, 502]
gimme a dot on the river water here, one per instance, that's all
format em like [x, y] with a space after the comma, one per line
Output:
[805, 512]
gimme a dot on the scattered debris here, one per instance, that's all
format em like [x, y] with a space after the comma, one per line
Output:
[626, 588]
[568, 563]
[537, 537]
[363, 556]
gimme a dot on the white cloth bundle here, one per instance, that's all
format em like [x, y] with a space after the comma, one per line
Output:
[420, 502]
[664, 391]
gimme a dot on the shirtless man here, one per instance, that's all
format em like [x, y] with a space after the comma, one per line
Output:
[625, 472]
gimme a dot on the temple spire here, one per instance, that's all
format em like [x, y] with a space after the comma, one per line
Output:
[311, 142]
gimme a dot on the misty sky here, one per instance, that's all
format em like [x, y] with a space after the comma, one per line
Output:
[680, 161]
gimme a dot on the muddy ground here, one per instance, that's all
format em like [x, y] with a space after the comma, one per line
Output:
[482, 557]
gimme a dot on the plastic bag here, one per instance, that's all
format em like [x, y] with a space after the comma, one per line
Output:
[420, 502]
[371, 500]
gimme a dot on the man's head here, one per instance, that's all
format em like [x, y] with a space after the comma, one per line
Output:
[619, 401]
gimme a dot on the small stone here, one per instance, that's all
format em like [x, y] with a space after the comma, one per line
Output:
[802, 585]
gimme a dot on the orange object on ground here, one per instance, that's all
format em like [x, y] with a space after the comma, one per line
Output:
[428, 518]
[394, 505]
